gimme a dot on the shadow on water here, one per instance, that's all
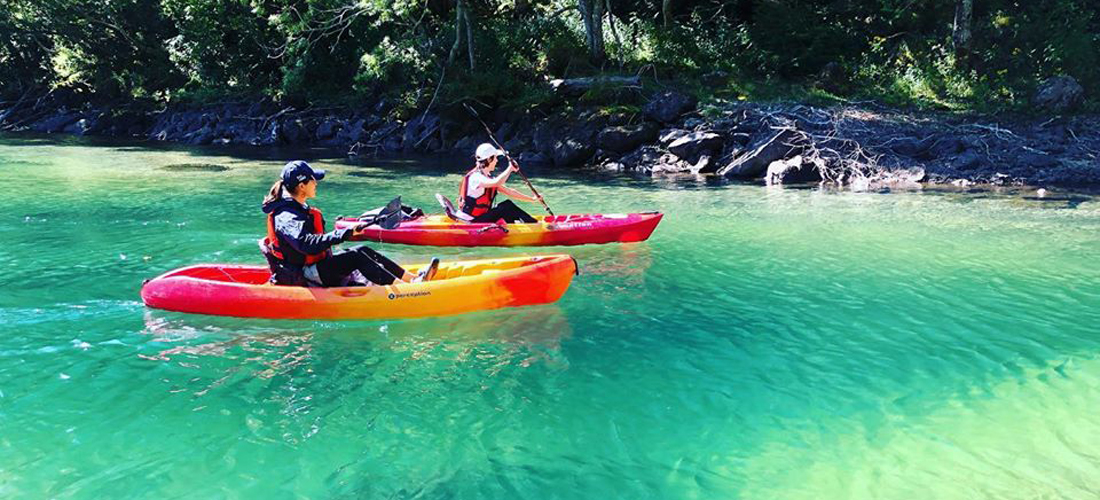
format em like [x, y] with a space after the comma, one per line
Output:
[272, 347]
[394, 166]
[194, 167]
[1056, 202]
[1019, 196]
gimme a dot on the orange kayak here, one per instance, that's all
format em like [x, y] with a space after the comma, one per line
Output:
[576, 229]
[458, 287]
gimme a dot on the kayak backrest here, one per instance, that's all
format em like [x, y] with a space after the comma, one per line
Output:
[449, 209]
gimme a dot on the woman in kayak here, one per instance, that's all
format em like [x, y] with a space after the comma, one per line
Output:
[478, 190]
[300, 251]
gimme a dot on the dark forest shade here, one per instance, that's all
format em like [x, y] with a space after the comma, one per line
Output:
[946, 52]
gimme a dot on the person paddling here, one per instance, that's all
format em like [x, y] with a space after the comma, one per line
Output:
[478, 190]
[299, 250]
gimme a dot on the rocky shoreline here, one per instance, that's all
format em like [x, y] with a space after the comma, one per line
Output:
[860, 146]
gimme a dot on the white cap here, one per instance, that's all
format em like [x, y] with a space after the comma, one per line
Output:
[486, 151]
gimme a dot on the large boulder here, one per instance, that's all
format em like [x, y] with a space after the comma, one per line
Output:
[1058, 94]
[86, 126]
[381, 135]
[625, 138]
[466, 145]
[1036, 159]
[328, 129]
[666, 107]
[517, 143]
[238, 131]
[571, 151]
[295, 132]
[755, 162]
[532, 158]
[56, 123]
[909, 146]
[669, 135]
[690, 146]
[1070, 174]
[796, 170]
[418, 130]
[944, 147]
[641, 159]
[392, 143]
[354, 132]
[270, 136]
[968, 160]
[201, 137]
[568, 142]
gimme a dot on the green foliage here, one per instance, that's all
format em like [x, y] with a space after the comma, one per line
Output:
[897, 51]
[222, 45]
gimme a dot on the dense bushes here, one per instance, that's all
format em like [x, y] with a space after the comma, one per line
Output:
[309, 50]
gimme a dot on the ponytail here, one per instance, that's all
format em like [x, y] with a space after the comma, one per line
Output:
[276, 192]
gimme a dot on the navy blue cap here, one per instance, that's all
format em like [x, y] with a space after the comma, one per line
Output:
[298, 171]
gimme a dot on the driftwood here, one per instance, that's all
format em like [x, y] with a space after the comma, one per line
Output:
[575, 87]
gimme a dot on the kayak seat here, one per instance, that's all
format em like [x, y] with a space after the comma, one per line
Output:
[272, 262]
[449, 209]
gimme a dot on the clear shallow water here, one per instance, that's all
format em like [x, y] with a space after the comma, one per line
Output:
[763, 344]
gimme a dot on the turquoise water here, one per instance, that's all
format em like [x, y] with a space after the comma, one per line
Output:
[763, 344]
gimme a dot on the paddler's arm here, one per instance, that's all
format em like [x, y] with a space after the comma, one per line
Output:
[498, 181]
[512, 193]
[309, 243]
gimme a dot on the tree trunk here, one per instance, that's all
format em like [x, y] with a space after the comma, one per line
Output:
[666, 12]
[463, 29]
[960, 35]
[592, 16]
[469, 36]
[614, 31]
[458, 34]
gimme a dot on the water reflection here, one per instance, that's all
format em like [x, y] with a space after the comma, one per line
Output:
[621, 267]
[490, 340]
[494, 339]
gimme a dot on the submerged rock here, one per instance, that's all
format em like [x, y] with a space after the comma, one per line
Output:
[195, 167]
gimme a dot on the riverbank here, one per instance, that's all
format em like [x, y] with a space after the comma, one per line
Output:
[859, 145]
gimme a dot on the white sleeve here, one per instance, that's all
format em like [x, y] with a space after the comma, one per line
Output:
[474, 188]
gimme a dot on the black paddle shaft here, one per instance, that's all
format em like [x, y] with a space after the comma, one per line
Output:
[510, 160]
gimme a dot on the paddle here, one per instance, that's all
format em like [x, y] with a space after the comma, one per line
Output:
[510, 160]
[388, 217]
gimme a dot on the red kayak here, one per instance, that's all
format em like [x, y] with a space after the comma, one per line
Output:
[577, 229]
[458, 287]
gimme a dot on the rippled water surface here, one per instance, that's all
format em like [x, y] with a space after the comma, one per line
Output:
[763, 344]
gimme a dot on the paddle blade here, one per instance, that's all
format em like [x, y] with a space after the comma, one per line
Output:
[391, 216]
